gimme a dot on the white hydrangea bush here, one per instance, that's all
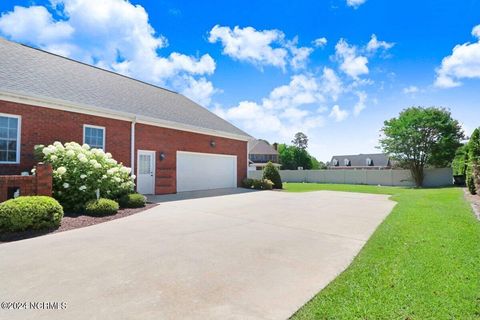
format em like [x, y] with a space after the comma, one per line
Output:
[79, 172]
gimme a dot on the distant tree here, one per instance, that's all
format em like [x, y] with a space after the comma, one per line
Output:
[460, 162]
[421, 137]
[300, 140]
[317, 165]
[286, 156]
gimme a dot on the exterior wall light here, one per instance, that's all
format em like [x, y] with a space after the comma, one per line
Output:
[162, 156]
[212, 144]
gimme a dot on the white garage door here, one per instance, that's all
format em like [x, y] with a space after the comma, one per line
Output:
[203, 171]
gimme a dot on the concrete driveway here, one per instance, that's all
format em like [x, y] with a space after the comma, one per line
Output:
[256, 255]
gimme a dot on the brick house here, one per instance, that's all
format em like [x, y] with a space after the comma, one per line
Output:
[171, 143]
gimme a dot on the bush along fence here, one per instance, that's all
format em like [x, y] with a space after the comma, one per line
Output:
[433, 177]
[17, 185]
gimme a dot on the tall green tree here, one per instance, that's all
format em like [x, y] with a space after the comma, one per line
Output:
[421, 137]
[300, 140]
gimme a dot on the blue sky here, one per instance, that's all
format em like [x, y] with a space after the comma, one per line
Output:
[334, 69]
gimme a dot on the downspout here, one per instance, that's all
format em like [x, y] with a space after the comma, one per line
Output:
[132, 145]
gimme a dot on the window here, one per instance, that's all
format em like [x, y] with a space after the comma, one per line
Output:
[335, 162]
[94, 136]
[346, 162]
[369, 162]
[9, 138]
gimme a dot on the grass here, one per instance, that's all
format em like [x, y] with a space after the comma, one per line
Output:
[423, 261]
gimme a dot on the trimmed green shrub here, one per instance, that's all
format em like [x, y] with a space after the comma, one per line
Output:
[101, 207]
[262, 184]
[30, 212]
[271, 173]
[471, 184]
[247, 183]
[132, 200]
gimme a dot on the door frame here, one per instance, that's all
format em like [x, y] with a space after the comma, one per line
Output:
[153, 153]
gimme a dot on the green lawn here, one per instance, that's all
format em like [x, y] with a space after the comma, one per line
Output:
[423, 261]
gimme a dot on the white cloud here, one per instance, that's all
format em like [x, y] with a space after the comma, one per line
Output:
[248, 44]
[34, 24]
[338, 114]
[350, 62]
[331, 83]
[410, 90]
[320, 42]
[260, 47]
[124, 42]
[285, 111]
[360, 105]
[299, 54]
[355, 3]
[374, 44]
[463, 63]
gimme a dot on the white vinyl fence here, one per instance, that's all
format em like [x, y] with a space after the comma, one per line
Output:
[433, 177]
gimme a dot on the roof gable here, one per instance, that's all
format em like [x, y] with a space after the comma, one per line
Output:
[260, 147]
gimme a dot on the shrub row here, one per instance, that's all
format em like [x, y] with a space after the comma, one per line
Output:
[258, 184]
[467, 162]
[41, 212]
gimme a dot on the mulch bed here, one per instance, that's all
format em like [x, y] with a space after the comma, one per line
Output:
[475, 202]
[72, 221]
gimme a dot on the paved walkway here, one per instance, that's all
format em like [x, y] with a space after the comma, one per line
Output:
[255, 255]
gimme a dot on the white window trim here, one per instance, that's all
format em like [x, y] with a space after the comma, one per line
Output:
[19, 135]
[85, 126]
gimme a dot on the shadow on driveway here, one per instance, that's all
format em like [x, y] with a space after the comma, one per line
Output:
[197, 194]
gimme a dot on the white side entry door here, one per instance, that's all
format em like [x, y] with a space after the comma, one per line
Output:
[146, 172]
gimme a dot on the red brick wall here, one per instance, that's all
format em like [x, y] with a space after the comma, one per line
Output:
[39, 184]
[170, 141]
[45, 126]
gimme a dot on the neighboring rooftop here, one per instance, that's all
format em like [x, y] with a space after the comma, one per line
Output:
[29, 71]
[360, 160]
[260, 146]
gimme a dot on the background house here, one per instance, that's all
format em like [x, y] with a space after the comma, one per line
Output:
[260, 153]
[171, 143]
[361, 161]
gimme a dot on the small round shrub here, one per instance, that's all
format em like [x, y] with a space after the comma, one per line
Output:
[247, 183]
[101, 207]
[132, 200]
[30, 213]
[271, 173]
[262, 184]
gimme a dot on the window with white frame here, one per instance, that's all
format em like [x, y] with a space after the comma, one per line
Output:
[9, 138]
[94, 136]
[346, 162]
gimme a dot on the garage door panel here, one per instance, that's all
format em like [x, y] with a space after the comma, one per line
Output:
[200, 171]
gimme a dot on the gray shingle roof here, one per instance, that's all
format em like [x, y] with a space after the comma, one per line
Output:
[260, 147]
[360, 160]
[35, 72]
